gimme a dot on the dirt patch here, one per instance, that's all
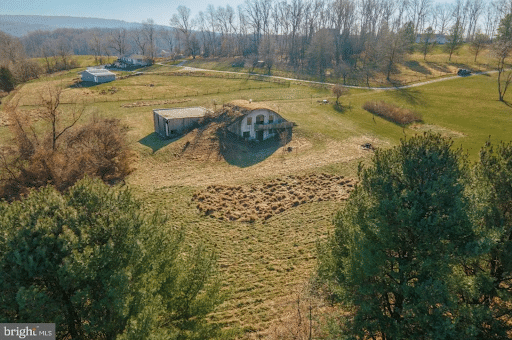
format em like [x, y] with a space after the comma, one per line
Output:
[437, 129]
[157, 102]
[262, 201]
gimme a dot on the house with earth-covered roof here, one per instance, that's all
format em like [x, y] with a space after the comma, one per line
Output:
[249, 121]
[257, 122]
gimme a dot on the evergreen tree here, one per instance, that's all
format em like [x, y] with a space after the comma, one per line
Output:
[7, 81]
[400, 246]
[492, 201]
[89, 262]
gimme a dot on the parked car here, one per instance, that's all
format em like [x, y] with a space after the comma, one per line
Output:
[463, 72]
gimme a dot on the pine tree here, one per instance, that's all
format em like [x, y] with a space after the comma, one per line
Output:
[91, 263]
[400, 244]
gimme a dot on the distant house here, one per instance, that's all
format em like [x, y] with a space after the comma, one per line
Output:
[98, 75]
[136, 60]
[170, 123]
[258, 123]
[436, 38]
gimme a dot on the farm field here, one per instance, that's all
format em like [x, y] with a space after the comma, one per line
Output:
[266, 262]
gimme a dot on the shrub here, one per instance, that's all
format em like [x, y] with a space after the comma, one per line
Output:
[7, 81]
[98, 149]
[392, 112]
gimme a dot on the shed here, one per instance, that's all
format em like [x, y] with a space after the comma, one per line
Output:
[172, 122]
[98, 75]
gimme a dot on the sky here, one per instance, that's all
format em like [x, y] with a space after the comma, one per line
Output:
[127, 10]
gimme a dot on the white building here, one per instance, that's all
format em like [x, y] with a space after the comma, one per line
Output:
[436, 38]
[259, 124]
[170, 123]
[98, 75]
[136, 60]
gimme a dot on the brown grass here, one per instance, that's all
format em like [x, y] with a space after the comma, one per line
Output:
[392, 112]
[235, 203]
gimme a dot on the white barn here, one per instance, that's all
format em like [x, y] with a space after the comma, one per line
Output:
[170, 123]
[98, 75]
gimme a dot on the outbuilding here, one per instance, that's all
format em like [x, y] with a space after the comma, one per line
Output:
[98, 75]
[136, 60]
[173, 122]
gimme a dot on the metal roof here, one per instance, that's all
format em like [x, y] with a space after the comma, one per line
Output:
[99, 72]
[182, 112]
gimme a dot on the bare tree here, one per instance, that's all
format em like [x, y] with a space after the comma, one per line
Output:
[140, 40]
[454, 41]
[63, 50]
[392, 48]
[267, 53]
[149, 31]
[339, 91]
[96, 45]
[492, 16]
[51, 111]
[168, 36]
[501, 49]
[479, 42]
[443, 13]
[182, 22]
[475, 8]
[428, 41]
[119, 41]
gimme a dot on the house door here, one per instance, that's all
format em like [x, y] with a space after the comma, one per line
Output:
[259, 135]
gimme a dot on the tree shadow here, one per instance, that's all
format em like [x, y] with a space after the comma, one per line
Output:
[410, 95]
[416, 67]
[507, 103]
[155, 142]
[241, 153]
[342, 108]
[438, 67]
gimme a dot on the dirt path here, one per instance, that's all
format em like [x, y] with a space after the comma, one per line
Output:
[188, 68]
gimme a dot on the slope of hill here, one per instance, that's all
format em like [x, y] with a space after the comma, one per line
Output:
[19, 25]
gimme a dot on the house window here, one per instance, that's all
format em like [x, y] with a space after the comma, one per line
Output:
[260, 119]
[249, 120]
[247, 134]
[270, 119]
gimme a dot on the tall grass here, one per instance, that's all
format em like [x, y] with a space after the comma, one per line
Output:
[392, 112]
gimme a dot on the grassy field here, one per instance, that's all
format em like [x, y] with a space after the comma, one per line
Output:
[266, 264]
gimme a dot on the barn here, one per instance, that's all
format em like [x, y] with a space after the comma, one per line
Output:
[173, 122]
[98, 75]
[258, 122]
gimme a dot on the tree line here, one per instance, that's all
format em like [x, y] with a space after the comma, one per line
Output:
[353, 39]
[344, 35]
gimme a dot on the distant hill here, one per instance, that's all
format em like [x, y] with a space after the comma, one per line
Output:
[19, 25]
